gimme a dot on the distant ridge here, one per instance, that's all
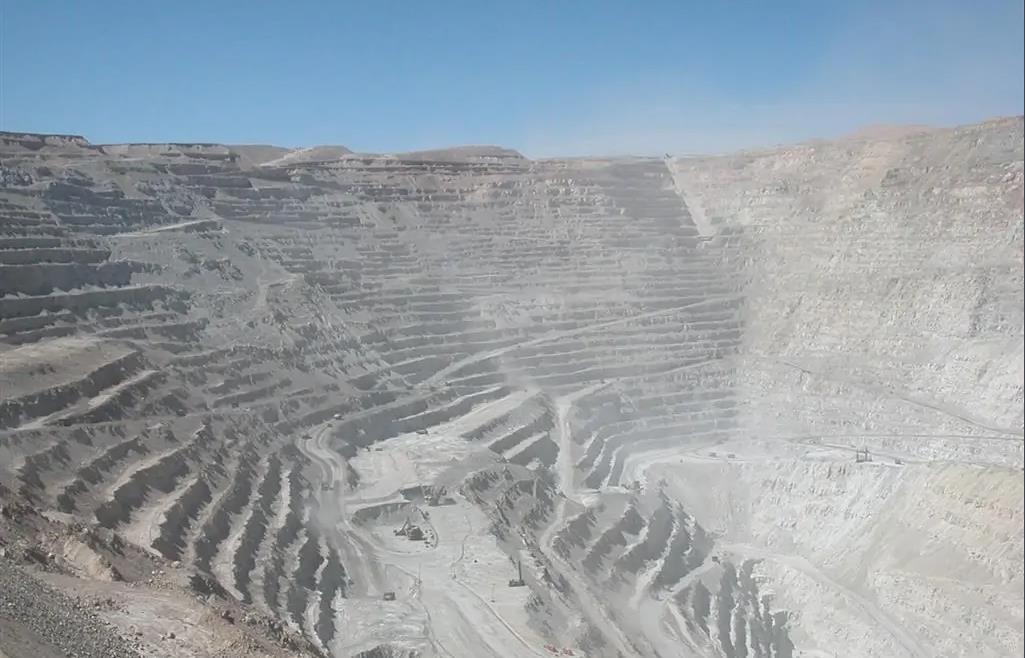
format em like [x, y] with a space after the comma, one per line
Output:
[308, 154]
[462, 153]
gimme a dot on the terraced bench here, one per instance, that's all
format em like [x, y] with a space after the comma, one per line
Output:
[203, 351]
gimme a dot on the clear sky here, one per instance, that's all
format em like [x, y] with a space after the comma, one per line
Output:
[547, 76]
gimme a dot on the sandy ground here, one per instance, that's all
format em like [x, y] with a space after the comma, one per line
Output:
[454, 589]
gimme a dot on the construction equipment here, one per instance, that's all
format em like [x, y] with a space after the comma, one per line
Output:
[410, 531]
[438, 496]
[862, 456]
[389, 596]
[518, 581]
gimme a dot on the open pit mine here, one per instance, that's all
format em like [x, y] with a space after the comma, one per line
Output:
[260, 401]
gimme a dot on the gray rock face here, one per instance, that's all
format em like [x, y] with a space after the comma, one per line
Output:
[643, 380]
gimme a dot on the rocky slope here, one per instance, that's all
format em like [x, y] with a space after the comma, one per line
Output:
[644, 381]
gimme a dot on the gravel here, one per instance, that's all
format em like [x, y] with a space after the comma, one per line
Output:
[37, 621]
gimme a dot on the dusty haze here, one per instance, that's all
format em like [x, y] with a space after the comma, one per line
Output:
[766, 404]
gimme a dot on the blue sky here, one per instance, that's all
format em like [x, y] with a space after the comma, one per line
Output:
[547, 77]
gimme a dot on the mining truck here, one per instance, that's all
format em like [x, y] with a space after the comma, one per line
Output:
[518, 580]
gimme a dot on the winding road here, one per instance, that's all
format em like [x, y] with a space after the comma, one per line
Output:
[453, 609]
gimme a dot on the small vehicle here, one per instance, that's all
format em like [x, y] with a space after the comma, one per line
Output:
[422, 432]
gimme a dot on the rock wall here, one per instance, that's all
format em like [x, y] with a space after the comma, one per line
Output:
[653, 376]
